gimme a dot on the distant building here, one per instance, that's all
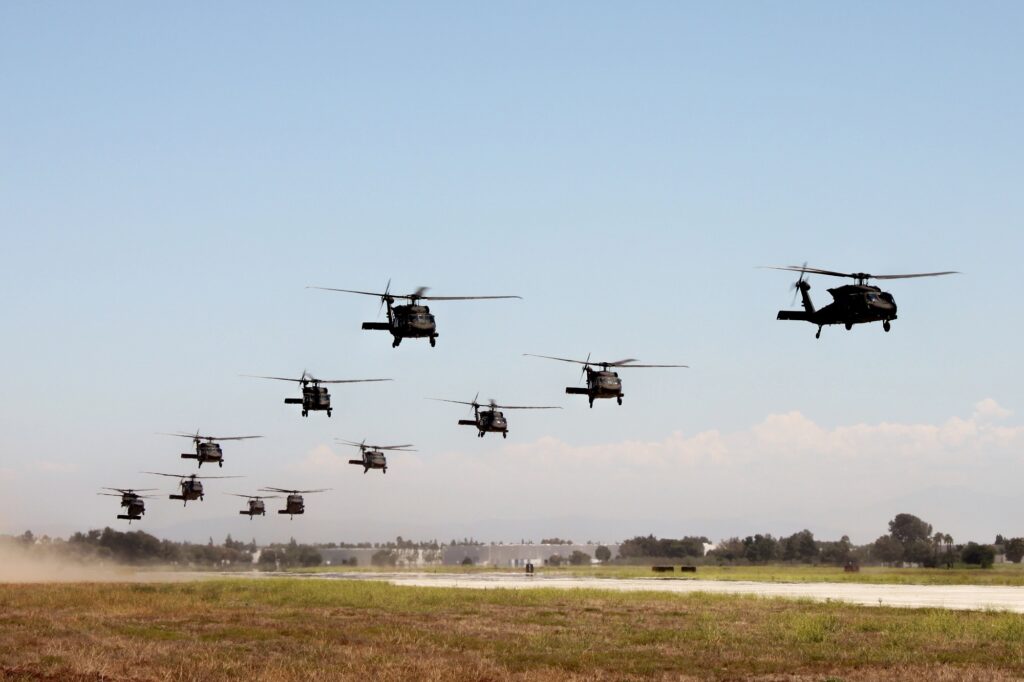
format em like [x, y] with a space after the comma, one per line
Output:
[501, 556]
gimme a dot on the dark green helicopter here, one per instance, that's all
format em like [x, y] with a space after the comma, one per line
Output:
[315, 398]
[131, 500]
[256, 505]
[208, 450]
[191, 485]
[603, 382]
[491, 420]
[851, 303]
[294, 503]
[372, 456]
[411, 320]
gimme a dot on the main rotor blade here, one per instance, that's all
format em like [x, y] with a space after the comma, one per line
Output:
[805, 269]
[921, 274]
[551, 357]
[459, 402]
[345, 381]
[296, 492]
[526, 407]
[461, 298]
[617, 363]
[353, 291]
[157, 473]
[229, 437]
[627, 366]
[258, 376]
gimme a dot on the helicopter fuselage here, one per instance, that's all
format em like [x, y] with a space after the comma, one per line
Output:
[488, 421]
[371, 459]
[256, 507]
[601, 383]
[191, 489]
[409, 321]
[851, 304]
[134, 506]
[206, 451]
[294, 504]
[315, 398]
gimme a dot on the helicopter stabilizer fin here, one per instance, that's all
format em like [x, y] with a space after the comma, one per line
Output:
[794, 315]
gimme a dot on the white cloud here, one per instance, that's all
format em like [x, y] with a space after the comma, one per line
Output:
[781, 471]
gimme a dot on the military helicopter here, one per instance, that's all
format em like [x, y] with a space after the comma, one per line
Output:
[314, 396]
[603, 382]
[207, 449]
[191, 485]
[372, 456]
[132, 501]
[294, 503]
[411, 320]
[852, 303]
[256, 505]
[490, 420]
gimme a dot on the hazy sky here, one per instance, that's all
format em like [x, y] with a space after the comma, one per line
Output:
[171, 178]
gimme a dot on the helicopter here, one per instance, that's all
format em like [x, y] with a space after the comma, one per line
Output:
[294, 503]
[372, 456]
[256, 505]
[603, 382]
[132, 501]
[490, 420]
[208, 451]
[191, 485]
[852, 303]
[411, 320]
[314, 396]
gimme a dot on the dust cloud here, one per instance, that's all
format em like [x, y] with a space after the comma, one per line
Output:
[21, 565]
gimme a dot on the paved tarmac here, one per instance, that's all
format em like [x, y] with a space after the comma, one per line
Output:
[965, 597]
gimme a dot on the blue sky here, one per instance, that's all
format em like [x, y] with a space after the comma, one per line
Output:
[172, 178]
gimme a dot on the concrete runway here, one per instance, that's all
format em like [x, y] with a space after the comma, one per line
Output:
[965, 597]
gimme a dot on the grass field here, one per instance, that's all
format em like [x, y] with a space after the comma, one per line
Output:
[1003, 574]
[278, 629]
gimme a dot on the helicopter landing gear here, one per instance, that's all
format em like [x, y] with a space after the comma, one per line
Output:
[619, 400]
[398, 340]
[328, 413]
[504, 434]
[886, 326]
[591, 402]
[818, 334]
[385, 470]
[305, 413]
[433, 341]
[220, 463]
[849, 326]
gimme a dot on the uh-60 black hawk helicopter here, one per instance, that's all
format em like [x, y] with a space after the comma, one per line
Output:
[191, 485]
[491, 420]
[372, 456]
[256, 506]
[207, 448]
[410, 320]
[603, 382]
[132, 501]
[315, 398]
[293, 504]
[852, 303]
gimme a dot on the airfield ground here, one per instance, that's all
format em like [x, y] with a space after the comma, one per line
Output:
[289, 629]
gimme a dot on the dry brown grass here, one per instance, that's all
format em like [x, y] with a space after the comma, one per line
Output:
[330, 630]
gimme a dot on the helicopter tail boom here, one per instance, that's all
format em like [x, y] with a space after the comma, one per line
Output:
[467, 422]
[576, 390]
[376, 325]
[293, 401]
[189, 455]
